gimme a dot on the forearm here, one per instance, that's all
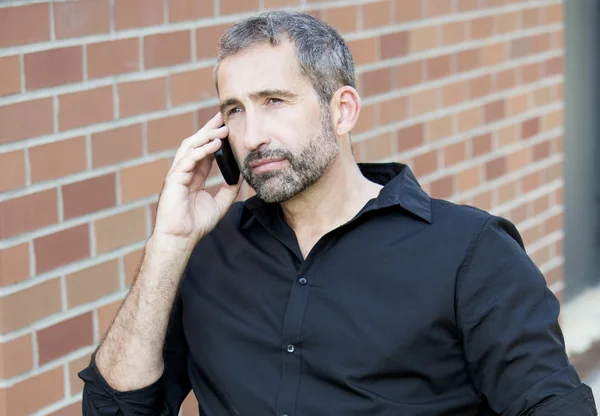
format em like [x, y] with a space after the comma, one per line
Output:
[130, 357]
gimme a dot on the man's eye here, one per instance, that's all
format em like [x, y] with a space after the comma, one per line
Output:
[274, 101]
[233, 111]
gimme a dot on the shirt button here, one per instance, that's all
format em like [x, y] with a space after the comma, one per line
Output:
[290, 348]
[302, 281]
[285, 414]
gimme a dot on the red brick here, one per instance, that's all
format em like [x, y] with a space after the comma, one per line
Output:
[481, 144]
[165, 49]
[190, 405]
[123, 55]
[530, 73]
[142, 96]
[467, 60]
[180, 10]
[138, 13]
[541, 151]
[376, 82]
[106, 315]
[518, 160]
[468, 179]
[424, 102]
[454, 32]
[42, 300]
[48, 388]
[364, 51]
[455, 153]
[438, 7]
[65, 337]
[493, 55]
[343, 19]
[443, 188]
[482, 27]
[53, 67]
[88, 196]
[426, 163]
[394, 110]
[16, 356]
[81, 18]
[530, 18]
[407, 10]
[505, 80]
[75, 366]
[28, 213]
[132, 262]
[483, 200]
[142, 181]
[495, 168]
[90, 284]
[377, 15]
[169, 132]
[424, 38]
[506, 22]
[554, 66]
[61, 248]
[530, 128]
[440, 128]
[71, 410]
[12, 170]
[410, 137]
[236, 6]
[394, 45]
[453, 94]
[10, 68]
[189, 86]
[207, 40]
[366, 120]
[378, 148]
[480, 86]
[120, 230]
[14, 264]
[14, 31]
[438, 67]
[117, 145]
[75, 109]
[277, 4]
[554, 14]
[56, 159]
[15, 120]
[520, 47]
[468, 119]
[409, 74]
[467, 5]
[493, 111]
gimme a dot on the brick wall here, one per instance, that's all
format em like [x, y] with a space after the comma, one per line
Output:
[95, 95]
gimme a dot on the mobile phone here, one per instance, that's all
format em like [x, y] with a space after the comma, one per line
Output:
[226, 163]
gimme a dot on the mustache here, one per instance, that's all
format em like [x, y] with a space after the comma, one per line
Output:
[259, 154]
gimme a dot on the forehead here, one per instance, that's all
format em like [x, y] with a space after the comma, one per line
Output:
[261, 67]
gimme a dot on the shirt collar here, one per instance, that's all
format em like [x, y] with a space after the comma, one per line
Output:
[400, 187]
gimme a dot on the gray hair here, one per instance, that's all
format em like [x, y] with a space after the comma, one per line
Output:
[323, 56]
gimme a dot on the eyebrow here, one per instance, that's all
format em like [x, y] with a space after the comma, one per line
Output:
[254, 96]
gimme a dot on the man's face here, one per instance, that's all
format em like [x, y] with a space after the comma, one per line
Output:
[280, 132]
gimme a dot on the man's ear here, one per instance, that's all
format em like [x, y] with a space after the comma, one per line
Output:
[345, 109]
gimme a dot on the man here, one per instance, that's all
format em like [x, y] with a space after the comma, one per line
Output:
[338, 289]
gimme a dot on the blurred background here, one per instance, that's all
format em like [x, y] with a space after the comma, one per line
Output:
[492, 103]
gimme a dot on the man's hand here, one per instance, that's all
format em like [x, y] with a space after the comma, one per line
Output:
[185, 209]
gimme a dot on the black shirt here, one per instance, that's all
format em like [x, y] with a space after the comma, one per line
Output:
[414, 307]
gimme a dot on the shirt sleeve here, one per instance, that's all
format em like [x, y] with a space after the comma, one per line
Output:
[508, 320]
[162, 398]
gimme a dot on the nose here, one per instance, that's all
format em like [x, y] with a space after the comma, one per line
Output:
[254, 131]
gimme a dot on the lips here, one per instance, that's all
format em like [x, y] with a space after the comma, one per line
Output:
[263, 162]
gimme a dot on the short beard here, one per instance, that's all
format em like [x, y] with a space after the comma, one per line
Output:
[303, 169]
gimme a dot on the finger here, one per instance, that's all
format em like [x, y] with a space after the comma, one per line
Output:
[189, 162]
[226, 196]
[199, 139]
[214, 123]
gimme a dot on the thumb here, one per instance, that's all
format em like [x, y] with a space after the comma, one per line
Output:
[226, 196]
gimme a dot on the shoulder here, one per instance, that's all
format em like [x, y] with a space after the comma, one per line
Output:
[473, 222]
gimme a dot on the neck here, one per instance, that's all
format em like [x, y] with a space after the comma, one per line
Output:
[332, 201]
